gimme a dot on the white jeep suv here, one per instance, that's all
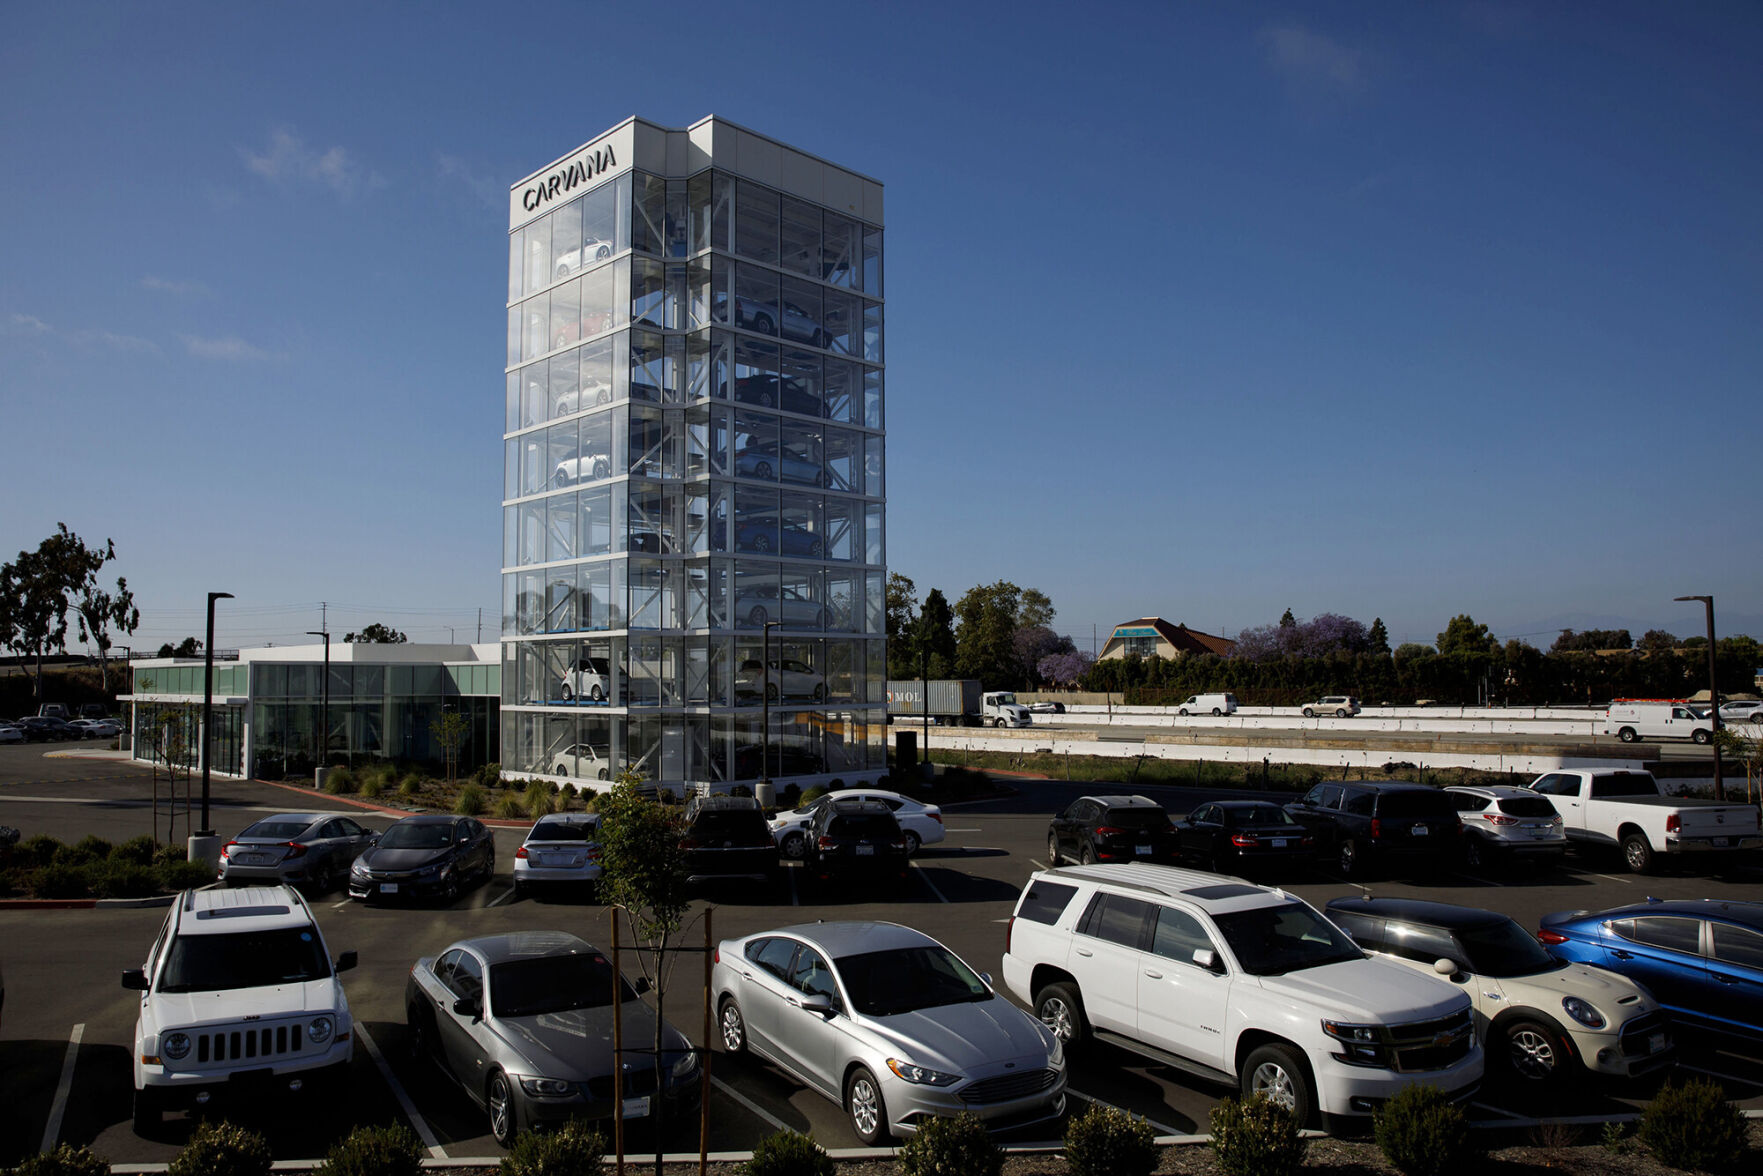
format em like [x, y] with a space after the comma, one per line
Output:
[1238, 984]
[239, 997]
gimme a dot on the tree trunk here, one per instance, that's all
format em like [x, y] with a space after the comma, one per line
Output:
[660, 1077]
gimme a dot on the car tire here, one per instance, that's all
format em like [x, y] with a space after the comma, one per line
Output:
[771, 694]
[1276, 1071]
[603, 253]
[1183, 712]
[732, 1026]
[867, 1111]
[1637, 853]
[1348, 858]
[1061, 1010]
[794, 845]
[596, 694]
[762, 324]
[1701, 737]
[762, 471]
[1086, 854]
[913, 841]
[1053, 850]
[499, 1102]
[1216, 712]
[148, 1114]
[567, 693]
[1477, 856]
[757, 616]
[819, 693]
[561, 770]
[1627, 735]
[1535, 1054]
[1340, 714]
[450, 892]
[1309, 713]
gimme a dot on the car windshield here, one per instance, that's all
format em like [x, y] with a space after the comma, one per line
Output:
[1273, 940]
[1506, 949]
[1261, 814]
[560, 831]
[1005, 700]
[553, 984]
[277, 830]
[904, 980]
[402, 836]
[244, 959]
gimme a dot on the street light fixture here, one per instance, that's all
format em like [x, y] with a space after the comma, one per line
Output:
[324, 757]
[1713, 695]
[766, 686]
[208, 708]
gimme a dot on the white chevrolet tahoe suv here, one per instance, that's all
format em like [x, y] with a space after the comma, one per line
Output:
[238, 997]
[1238, 984]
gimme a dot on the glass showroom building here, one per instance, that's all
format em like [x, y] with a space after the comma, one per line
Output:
[693, 498]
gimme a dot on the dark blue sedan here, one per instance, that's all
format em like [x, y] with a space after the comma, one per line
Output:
[1702, 958]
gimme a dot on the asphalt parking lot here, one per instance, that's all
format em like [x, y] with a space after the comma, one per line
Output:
[67, 1028]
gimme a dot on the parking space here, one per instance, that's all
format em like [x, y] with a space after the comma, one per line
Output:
[62, 971]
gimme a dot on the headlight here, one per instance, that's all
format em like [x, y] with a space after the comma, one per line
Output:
[1360, 1042]
[686, 1066]
[175, 1045]
[1056, 1057]
[922, 1075]
[1583, 1012]
[319, 1029]
[1346, 1031]
[360, 867]
[553, 1087]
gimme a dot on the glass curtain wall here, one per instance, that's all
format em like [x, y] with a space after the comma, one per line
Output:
[693, 454]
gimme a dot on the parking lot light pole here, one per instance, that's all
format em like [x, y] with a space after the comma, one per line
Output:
[204, 845]
[1713, 695]
[324, 756]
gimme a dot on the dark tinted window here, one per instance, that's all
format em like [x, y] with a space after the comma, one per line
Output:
[1138, 818]
[870, 825]
[882, 983]
[1662, 931]
[1366, 930]
[1261, 814]
[813, 977]
[246, 959]
[1179, 935]
[553, 984]
[560, 831]
[1506, 949]
[1360, 803]
[726, 824]
[1421, 944]
[1467, 803]
[1625, 784]
[1045, 902]
[1272, 940]
[1736, 945]
[277, 830]
[774, 955]
[1415, 804]
[1117, 919]
[1528, 806]
[411, 836]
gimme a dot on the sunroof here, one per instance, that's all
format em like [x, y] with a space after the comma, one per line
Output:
[1224, 890]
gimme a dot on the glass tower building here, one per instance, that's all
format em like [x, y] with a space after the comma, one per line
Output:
[693, 499]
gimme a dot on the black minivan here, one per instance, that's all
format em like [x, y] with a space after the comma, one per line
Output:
[1361, 826]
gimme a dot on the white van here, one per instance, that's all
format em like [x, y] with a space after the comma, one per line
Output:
[1630, 719]
[1209, 704]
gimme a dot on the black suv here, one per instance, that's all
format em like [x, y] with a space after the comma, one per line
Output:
[1365, 824]
[1112, 829]
[856, 839]
[727, 837]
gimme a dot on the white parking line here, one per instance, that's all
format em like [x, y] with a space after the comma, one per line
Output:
[436, 1151]
[1162, 1129]
[52, 1129]
[776, 1122]
[1481, 881]
[963, 830]
[339, 906]
[500, 898]
[926, 879]
[1496, 1110]
[1614, 878]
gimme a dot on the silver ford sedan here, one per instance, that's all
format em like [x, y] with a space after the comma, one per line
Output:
[889, 1024]
[523, 1022]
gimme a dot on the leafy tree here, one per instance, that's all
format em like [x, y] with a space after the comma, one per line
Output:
[36, 591]
[1035, 609]
[1033, 643]
[1287, 620]
[1591, 640]
[644, 876]
[99, 610]
[376, 634]
[1412, 649]
[1066, 667]
[985, 634]
[188, 647]
[936, 633]
[902, 598]
[1463, 635]
[449, 731]
[1378, 639]
[1657, 641]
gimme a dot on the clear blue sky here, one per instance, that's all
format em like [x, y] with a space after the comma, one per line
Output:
[1196, 310]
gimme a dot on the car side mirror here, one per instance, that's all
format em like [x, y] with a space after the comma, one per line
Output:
[816, 1002]
[135, 979]
[1445, 968]
[465, 1006]
[373, 839]
[347, 961]
[986, 979]
[1206, 958]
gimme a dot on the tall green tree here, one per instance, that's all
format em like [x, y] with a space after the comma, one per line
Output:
[99, 610]
[936, 633]
[376, 634]
[1035, 610]
[1378, 639]
[902, 604]
[36, 591]
[1463, 635]
[985, 634]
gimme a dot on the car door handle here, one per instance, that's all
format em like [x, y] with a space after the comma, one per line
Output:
[1726, 979]
[1153, 974]
[1623, 955]
[1085, 952]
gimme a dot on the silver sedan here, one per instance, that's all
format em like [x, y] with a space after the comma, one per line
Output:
[301, 849]
[889, 1024]
[523, 1022]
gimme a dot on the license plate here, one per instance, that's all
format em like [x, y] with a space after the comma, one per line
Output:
[1279, 843]
[636, 1108]
[1656, 1043]
[388, 888]
[1539, 832]
[252, 859]
[866, 851]
[1142, 849]
[1420, 831]
[1722, 842]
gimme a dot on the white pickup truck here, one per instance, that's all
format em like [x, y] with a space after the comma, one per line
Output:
[1625, 809]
